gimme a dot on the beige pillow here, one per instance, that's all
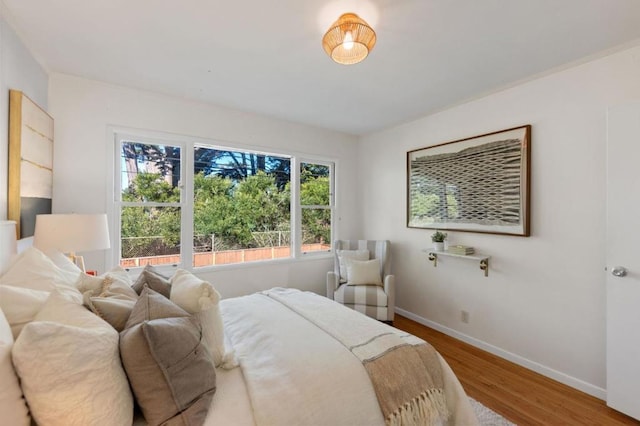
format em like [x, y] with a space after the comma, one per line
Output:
[69, 366]
[27, 283]
[13, 409]
[155, 280]
[21, 305]
[364, 272]
[33, 269]
[110, 296]
[343, 259]
[201, 299]
[170, 371]
[114, 310]
[112, 283]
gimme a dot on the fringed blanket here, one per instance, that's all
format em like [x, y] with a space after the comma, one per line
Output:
[404, 370]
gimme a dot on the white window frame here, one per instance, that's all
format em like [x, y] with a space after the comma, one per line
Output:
[300, 207]
[187, 146]
[184, 206]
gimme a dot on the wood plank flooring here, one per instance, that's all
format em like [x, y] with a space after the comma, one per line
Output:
[519, 394]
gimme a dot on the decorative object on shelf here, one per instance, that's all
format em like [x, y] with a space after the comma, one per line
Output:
[71, 233]
[30, 177]
[460, 249]
[478, 184]
[483, 259]
[349, 40]
[438, 240]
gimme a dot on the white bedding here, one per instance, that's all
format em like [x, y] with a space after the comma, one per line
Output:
[292, 373]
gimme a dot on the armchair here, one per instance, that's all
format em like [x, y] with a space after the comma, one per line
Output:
[376, 300]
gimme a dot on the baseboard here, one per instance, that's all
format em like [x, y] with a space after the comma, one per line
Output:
[559, 376]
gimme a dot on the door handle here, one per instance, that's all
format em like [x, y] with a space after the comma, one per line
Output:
[619, 271]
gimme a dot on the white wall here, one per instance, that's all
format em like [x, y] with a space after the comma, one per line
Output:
[19, 71]
[84, 110]
[543, 304]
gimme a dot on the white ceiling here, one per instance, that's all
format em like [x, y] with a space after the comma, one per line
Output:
[265, 56]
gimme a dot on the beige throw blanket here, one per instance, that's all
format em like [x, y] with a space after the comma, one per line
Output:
[404, 370]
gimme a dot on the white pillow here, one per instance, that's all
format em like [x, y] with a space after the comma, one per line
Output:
[364, 272]
[68, 361]
[62, 261]
[201, 299]
[33, 269]
[21, 305]
[119, 283]
[343, 259]
[13, 410]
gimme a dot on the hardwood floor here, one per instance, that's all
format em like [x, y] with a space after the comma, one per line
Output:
[519, 394]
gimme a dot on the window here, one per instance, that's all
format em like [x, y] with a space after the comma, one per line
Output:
[316, 205]
[235, 205]
[149, 197]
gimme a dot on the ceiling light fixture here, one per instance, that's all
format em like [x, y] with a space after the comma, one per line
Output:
[349, 40]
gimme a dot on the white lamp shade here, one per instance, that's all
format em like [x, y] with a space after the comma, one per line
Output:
[71, 233]
[8, 246]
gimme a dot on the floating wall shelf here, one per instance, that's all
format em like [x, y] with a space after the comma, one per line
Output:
[483, 259]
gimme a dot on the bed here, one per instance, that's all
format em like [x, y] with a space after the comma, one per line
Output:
[282, 357]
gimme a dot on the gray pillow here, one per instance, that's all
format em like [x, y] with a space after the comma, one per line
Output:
[156, 281]
[111, 299]
[114, 310]
[171, 372]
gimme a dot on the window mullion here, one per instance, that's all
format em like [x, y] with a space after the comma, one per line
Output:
[296, 212]
[186, 220]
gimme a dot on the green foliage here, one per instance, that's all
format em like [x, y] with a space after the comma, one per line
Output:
[316, 222]
[251, 212]
[438, 237]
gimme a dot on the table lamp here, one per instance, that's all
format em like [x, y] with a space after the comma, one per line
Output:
[72, 233]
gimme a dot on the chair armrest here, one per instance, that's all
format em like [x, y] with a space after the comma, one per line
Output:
[332, 283]
[390, 290]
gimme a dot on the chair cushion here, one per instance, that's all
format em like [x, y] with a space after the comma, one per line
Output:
[364, 272]
[344, 256]
[368, 295]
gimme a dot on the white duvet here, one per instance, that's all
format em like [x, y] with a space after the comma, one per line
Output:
[293, 373]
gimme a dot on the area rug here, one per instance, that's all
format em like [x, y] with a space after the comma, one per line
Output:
[487, 417]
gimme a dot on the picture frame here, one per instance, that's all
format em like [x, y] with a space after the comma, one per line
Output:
[477, 184]
[30, 177]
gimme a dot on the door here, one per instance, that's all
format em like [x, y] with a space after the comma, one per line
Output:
[623, 258]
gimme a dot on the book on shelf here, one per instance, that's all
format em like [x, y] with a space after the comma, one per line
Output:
[460, 249]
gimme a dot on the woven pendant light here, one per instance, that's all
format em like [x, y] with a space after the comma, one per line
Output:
[349, 40]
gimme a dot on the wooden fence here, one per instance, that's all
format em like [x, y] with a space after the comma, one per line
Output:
[224, 257]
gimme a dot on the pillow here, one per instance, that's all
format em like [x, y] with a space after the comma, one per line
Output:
[20, 305]
[114, 282]
[33, 269]
[364, 272]
[343, 255]
[69, 365]
[109, 296]
[199, 298]
[155, 280]
[62, 261]
[113, 310]
[171, 373]
[13, 409]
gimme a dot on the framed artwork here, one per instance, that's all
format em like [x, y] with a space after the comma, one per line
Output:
[30, 162]
[477, 184]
